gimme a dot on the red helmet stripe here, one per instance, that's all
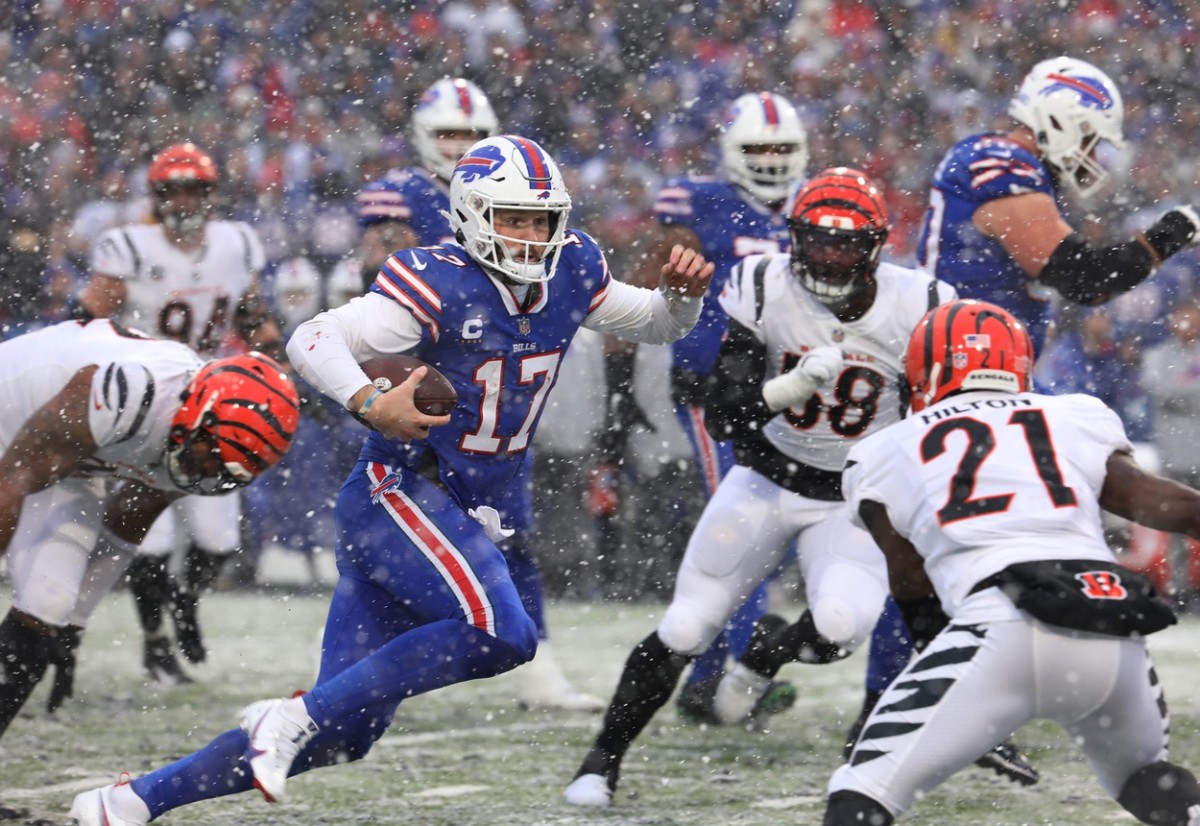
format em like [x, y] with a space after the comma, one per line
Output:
[535, 162]
[464, 97]
[770, 110]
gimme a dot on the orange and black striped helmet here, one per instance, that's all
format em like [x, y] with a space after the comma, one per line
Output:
[246, 408]
[967, 345]
[838, 223]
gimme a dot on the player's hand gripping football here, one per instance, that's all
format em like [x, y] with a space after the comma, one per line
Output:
[819, 366]
[686, 274]
[394, 413]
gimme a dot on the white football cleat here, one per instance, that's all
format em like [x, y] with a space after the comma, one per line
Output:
[588, 790]
[116, 805]
[543, 685]
[738, 694]
[278, 730]
[1193, 815]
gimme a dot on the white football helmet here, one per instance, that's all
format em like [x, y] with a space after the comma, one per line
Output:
[1075, 112]
[754, 122]
[508, 172]
[450, 105]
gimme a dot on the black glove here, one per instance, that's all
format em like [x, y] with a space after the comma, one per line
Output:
[62, 657]
[1174, 231]
[623, 414]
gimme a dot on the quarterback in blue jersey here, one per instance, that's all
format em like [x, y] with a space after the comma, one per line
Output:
[764, 150]
[995, 230]
[449, 118]
[424, 597]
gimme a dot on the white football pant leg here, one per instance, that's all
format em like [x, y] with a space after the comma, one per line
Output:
[212, 522]
[971, 688]
[49, 552]
[845, 578]
[740, 538]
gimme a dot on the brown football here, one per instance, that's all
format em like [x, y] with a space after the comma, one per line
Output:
[434, 396]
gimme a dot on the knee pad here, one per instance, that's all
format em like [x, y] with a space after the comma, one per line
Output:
[837, 621]
[50, 602]
[847, 808]
[1160, 794]
[683, 631]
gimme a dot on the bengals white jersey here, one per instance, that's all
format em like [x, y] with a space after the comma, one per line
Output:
[134, 394]
[983, 480]
[786, 317]
[176, 294]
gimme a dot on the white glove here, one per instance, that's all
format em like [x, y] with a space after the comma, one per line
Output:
[489, 517]
[818, 366]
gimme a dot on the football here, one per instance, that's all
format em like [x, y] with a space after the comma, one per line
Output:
[434, 396]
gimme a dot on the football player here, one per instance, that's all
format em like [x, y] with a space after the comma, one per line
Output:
[448, 119]
[811, 363]
[995, 229]
[764, 152]
[90, 401]
[385, 217]
[986, 503]
[189, 277]
[425, 598]
[450, 116]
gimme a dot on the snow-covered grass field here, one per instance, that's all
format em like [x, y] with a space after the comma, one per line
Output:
[467, 756]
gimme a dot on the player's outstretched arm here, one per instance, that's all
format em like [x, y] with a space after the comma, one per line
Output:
[133, 509]
[50, 446]
[1149, 499]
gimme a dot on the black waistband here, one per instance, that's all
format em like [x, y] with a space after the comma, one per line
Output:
[812, 483]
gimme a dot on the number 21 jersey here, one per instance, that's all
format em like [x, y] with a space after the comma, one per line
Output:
[980, 481]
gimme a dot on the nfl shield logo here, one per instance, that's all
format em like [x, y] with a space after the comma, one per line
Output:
[523, 326]
[838, 336]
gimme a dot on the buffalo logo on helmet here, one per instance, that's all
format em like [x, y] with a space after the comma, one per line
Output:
[1091, 91]
[480, 162]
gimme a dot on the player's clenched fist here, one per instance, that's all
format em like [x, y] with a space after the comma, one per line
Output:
[686, 272]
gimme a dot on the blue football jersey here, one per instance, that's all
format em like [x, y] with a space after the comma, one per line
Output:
[976, 170]
[427, 199]
[502, 355]
[730, 226]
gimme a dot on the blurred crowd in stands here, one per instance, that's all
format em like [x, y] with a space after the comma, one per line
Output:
[302, 101]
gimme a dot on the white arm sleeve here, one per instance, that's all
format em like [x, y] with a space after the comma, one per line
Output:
[327, 350]
[642, 315]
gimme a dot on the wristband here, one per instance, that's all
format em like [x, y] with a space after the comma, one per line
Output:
[370, 400]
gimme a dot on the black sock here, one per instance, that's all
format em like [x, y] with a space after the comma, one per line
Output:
[151, 588]
[651, 673]
[24, 654]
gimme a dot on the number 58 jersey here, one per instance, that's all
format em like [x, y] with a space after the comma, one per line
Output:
[982, 480]
[765, 296]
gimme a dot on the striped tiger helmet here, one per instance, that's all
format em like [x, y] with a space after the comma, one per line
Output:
[838, 223]
[247, 409]
[967, 345]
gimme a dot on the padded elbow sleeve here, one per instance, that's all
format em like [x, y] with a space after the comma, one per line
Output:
[1087, 275]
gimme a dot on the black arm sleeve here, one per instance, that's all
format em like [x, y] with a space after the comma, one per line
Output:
[1087, 275]
[735, 407]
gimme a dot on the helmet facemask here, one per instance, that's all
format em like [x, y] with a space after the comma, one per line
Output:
[835, 265]
[179, 215]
